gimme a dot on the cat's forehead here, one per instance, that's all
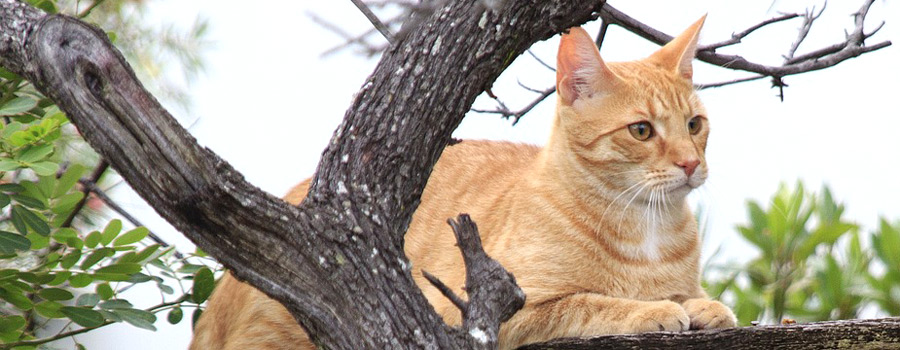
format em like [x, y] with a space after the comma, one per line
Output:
[655, 91]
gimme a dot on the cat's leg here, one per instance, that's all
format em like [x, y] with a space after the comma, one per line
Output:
[584, 314]
[708, 314]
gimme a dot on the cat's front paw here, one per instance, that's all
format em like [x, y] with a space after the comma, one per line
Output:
[658, 316]
[708, 314]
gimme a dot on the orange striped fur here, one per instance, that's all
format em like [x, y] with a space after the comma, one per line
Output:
[594, 225]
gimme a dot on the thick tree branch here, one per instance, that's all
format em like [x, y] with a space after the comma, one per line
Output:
[849, 334]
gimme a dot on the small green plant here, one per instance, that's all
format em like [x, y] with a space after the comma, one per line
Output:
[811, 263]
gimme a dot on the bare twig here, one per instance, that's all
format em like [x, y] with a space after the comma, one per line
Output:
[539, 60]
[505, 112]
[729, 82]
[737, 37]
[98, 172]
[376, 22]
[808, 18]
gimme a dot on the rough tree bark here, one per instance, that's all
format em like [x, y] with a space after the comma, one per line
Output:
[336, 261]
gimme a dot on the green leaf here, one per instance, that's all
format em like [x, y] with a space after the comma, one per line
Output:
[49, 309]
[17, 221]
[4, 200]
[16, 297]
[55, 294]
[29, 201]
[66, 202]
[137, 318]
[195, 317]
[11, 243]
[63, 234]
[44, 168]
[38, 241]
[17, 106]
[59, 278]
[175, 315]
[133, 236]
[37, 222]
[123, 268]
[87, 299]
[11, 187]
[11, 323]
[104, 291]
[9, 165]
[68, 180]
[92, 239]
[83, 316]
[112, 277]
[145, 253]
[35, 153]
[80, 280]
[110, 232]
[115, 304]
[70, 259]
[96, 256]
[203, 285]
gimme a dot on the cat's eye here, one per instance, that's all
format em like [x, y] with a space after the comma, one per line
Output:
[695, 124]
[641, 130]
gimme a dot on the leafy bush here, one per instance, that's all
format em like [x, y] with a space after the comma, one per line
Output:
[811, 264]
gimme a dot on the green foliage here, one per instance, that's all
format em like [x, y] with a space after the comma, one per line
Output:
[811, 263]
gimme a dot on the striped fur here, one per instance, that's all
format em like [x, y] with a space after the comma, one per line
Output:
[594, 225]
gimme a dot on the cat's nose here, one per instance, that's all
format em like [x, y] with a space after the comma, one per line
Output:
[688, 165]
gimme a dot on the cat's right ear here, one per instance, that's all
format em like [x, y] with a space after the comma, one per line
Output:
[580, 72]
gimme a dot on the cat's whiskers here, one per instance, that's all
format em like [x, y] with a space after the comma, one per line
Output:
[603, 215]
[643, 184]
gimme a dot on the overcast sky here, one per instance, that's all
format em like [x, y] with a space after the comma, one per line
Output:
[269, 103]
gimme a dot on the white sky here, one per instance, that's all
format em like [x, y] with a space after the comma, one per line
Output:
[269, 103]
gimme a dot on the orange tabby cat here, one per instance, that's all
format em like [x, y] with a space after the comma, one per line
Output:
[594, 225]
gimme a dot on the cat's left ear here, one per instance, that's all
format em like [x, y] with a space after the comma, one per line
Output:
[678, 53]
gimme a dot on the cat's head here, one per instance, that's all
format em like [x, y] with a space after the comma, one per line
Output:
[637, 127]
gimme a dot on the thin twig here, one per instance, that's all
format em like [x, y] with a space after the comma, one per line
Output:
[98, 172]
[808, 18]
[737, 37]
[376, 22]
[729, 82]
[446, 291]
[540, 61]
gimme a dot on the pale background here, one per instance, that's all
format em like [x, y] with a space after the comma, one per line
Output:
[269, 103]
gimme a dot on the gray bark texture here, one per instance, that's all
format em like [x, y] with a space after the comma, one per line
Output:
[336, 261]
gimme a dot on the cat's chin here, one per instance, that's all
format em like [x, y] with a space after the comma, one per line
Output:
[681, 191]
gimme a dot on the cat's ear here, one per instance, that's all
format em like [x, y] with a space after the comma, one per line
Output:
[678, 53]
[580, 72]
